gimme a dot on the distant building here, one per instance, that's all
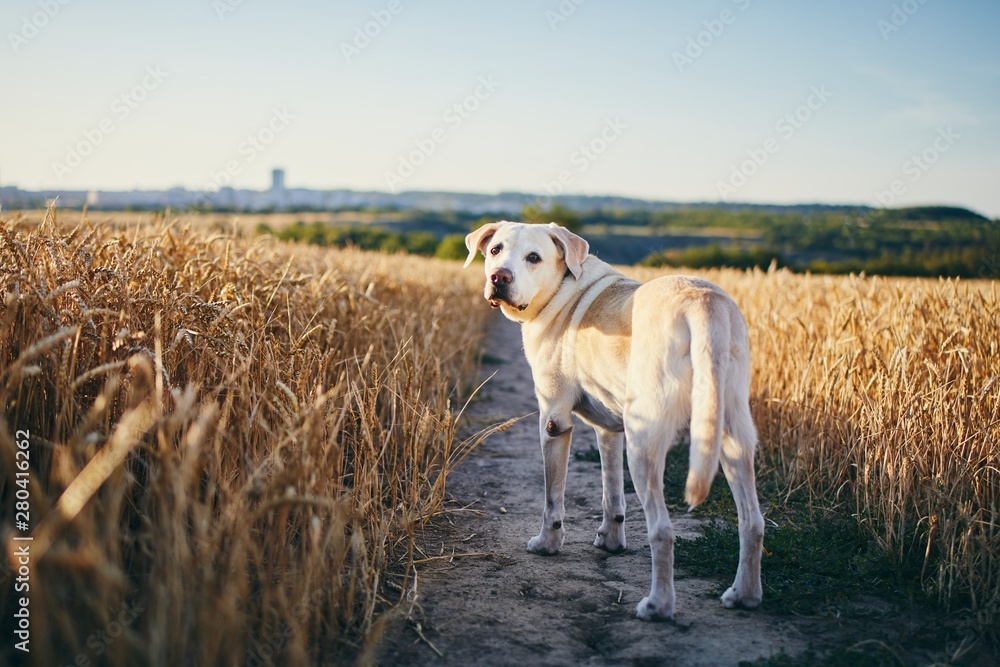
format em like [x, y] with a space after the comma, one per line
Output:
[279, 196]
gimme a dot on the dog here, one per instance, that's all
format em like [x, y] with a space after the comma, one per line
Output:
[636, 362]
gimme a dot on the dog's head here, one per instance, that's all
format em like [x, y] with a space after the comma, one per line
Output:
[525, 264]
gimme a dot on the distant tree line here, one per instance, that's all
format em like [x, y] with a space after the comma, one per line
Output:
[318, 233]
[924, 241]
[428, 244]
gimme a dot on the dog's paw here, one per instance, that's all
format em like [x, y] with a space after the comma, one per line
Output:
[647, 610]
[545, 544]
[732, 599]
[611, 538]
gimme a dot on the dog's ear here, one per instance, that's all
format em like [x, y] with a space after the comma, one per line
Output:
[574, 248]
[477, 240]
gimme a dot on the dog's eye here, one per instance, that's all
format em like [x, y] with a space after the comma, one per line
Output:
[533, 258]
[495, 250]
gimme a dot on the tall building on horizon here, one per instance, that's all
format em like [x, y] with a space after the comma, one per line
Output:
[279, 198]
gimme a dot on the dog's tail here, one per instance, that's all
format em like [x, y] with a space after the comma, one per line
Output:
[710, 341]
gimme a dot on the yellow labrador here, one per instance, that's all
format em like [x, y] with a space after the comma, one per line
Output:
[636, 362]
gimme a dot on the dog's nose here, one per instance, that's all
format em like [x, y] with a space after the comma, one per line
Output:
[501, 277]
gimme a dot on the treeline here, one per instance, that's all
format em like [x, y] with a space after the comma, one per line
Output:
[716, 256]
[452, 246]
[923, 241]
[967, 263]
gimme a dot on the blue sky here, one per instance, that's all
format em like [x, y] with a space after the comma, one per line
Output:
[685, 100]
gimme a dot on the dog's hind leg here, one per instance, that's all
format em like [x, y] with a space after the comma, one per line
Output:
[611, 534]
[649, 433]
[738, 445]
[556, 428]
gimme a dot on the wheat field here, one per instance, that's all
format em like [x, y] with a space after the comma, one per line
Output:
[232, 440]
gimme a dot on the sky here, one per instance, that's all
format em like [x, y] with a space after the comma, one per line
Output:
[875, 102]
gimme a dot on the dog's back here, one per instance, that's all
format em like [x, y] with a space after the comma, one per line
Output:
[702, 340]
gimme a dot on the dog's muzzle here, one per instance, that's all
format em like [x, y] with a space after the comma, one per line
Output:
[500, 296]
[500, 292]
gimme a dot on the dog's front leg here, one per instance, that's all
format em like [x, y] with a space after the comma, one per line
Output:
[556, 431]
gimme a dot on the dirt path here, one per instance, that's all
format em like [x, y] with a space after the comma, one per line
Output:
[576, 608]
